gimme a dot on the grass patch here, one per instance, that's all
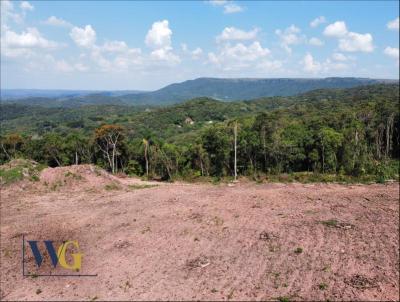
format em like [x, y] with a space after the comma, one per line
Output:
[56, 185]
[147, 229]
[141, 186]
[73, 175]
[11, 175]
[112, 187]
[383, 173]
[330, 222]
[299, 250]
[230, 295]
[18, 169]
[218, 221]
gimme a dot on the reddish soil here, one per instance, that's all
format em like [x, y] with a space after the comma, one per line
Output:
[180, 241]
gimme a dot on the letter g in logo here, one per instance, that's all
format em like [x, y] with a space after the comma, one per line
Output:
[76, 256]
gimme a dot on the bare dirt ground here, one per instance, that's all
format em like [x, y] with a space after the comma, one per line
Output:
[245, 241]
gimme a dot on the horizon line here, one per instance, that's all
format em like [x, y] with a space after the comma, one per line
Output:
[217, 78]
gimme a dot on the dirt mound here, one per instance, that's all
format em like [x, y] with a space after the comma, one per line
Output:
[78, 177]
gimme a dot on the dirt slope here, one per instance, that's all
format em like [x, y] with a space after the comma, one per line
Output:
[206, 242]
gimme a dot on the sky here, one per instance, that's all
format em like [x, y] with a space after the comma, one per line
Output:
[145, 45]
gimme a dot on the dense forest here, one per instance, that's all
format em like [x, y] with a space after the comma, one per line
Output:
[351, 133]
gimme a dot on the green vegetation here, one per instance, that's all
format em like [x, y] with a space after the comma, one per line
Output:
[18, 169]
[330, 223]
[341, 135]
[140, 186]
[11, 175]
[112, 187]
[298, 250]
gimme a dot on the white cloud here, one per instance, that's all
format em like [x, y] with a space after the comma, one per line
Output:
[315, 42]
[164, 54]
[115, 46]
[31, 38]
[218, 2]
[212, 58]
[232, 33]
[339, 57]
[329, 66]
[251, 52]
[115, 56]
[229, 6]
[103, 63]
[16, 52]
[356, 42]
[159, 35]
[392, 52]
[310, 65]
[266, 65]
[54, 21]
[83, 37]
[238, 55]
[317, 21]
[184, 47]
[349, 41]
[80, 67]
[25, 5]
[65, 66]
[394, 24]
[337, 29]
[8, 12]
[232, 8]
[290, 36]
[197, 53]
[159, 38]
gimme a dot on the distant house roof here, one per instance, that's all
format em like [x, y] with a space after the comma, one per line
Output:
[188, 120]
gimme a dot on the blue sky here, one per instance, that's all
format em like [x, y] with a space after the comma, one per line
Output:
[146, 45]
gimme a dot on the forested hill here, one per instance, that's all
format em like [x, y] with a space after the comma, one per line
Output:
[353, 132]
[241, 89]
[169, 121]
[219, 89]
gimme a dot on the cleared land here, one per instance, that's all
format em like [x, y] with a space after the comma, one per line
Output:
[180, 241]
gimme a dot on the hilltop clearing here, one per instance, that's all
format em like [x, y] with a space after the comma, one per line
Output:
[178, 241]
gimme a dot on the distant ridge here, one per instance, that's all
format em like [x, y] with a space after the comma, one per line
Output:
[59, 93]
[232, 89]
[242, 89]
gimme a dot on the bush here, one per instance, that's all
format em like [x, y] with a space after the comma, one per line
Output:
[133, 168]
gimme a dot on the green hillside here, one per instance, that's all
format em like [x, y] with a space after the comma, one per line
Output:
[353, 132]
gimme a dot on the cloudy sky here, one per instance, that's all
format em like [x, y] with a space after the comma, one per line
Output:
[146, 45]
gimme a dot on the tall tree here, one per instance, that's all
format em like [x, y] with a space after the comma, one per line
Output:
[108, 139]
[146, 155]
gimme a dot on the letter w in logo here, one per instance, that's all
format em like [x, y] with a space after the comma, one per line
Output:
[38, 255]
